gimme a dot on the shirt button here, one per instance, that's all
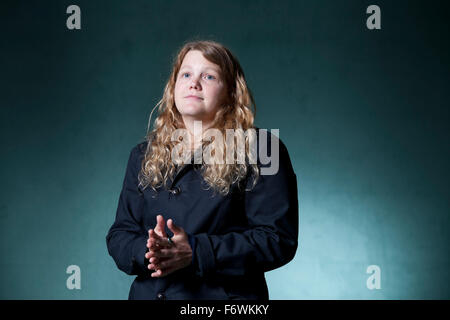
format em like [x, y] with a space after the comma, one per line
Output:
[161, 296]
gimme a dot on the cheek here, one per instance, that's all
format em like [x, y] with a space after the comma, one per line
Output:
[176, 96]
[177, 91]
[176, 88]
[219, 95]
[213, 93]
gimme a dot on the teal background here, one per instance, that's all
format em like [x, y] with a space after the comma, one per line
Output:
[364, 114]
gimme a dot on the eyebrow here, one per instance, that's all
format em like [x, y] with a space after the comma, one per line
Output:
[210, 68]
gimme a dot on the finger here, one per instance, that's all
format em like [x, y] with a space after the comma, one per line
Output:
[159, 241]
[149, 243]
[157, 266]
[163, 272]
[152, 267]
[155, 263]
[153, 244]
[153, 235]
[157, 273]
[154, 260]
[160, 226]
[150, 254]
[174, 228]
[150, 232]
[163, 253]
[162, 263]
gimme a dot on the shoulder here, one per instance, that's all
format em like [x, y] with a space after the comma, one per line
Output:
[268, 134]
[140, 149]
[268, 140]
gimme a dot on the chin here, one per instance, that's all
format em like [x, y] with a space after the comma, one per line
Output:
[192, 115]
[191, 110]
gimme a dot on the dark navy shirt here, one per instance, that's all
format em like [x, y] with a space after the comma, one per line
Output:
[235, 238]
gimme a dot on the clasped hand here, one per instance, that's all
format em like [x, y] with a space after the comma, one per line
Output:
[164, 257]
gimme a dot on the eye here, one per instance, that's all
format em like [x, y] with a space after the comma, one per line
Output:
[183, 75]
[210, 77]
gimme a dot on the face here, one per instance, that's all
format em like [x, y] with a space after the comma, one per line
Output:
[199, 88]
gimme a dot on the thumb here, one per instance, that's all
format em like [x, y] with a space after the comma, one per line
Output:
[175, 229]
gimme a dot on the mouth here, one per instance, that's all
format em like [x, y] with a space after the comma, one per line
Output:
[193, 97]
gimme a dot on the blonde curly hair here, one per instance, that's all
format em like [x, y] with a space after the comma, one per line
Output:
[236, 113]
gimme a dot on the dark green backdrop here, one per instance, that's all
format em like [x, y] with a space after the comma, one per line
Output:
[364, 114]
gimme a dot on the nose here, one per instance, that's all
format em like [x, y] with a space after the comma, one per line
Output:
[194, 83]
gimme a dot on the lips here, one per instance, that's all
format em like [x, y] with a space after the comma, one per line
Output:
[192, 96]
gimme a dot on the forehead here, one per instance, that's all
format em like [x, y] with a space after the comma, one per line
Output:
[194, 59]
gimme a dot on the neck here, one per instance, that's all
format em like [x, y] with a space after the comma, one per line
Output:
[195, 130]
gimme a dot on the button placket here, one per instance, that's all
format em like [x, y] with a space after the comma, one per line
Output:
[175, 190]
[161, 296]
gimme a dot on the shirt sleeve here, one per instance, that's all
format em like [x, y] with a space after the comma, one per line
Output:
[192, 243]
[126, 239]
[269, 241]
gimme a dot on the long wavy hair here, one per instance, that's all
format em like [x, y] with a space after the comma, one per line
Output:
[235, 113]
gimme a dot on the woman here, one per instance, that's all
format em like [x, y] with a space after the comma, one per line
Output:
[230, 223]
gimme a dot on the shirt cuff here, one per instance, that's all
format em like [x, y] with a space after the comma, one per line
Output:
[203, 259]
[139, 261]
[192, 243]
